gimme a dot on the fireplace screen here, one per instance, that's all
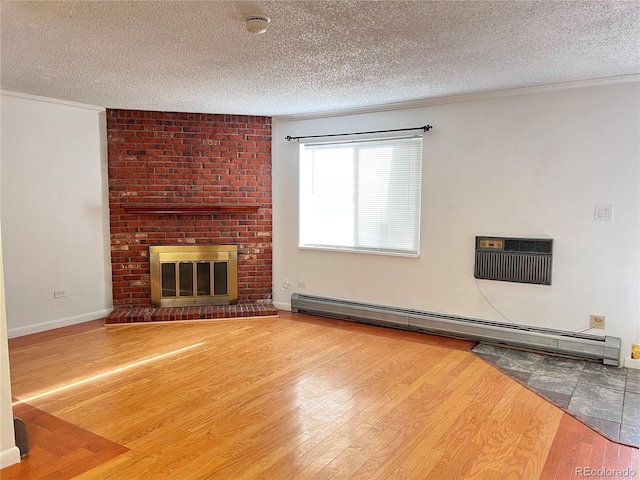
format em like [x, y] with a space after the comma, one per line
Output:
[194, 275]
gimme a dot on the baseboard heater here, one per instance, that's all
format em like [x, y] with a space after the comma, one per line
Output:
[605, 348]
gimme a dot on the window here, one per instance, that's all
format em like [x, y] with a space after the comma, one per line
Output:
[361, 195]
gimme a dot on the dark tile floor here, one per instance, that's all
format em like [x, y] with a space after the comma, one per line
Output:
[606, 398]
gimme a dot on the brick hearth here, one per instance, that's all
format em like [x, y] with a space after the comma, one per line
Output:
[151, 314]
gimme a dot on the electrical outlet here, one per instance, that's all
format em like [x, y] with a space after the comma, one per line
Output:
[285, 283]
[596, 321]
[59, 293]
[302, 284]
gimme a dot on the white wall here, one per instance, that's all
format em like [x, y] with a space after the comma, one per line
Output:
[531, 165]
[54, 213]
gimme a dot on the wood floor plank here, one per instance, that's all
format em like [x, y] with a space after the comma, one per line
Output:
[443, 419]
[506, 454]
[425, 418]
[565, 452]
[635, 460]
[109, 469]
[515, 467]
[283, 398]
[556, 454]
[58, 450]
[598, 447]
[567, 466]
[544, 441]
[344, 465]
[585, 448]
[367, 470]
[290, 465]
[492, 475]
[611, 456]
[426, 464]
[417, 417]
[624, 455]
[319, 457]
[456, 462]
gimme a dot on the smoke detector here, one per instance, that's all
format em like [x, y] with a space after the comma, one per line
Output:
[257, 23]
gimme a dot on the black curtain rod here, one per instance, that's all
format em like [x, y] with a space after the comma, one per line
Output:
[424, 128]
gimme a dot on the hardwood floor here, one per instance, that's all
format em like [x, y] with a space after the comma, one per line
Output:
[58, 449]
[293, 397]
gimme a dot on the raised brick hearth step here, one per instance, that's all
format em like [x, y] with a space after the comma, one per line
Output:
[152, 314]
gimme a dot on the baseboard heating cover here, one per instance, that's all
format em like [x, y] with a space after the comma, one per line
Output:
[604, 348]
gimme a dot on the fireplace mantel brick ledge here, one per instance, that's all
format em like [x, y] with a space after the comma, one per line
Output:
[167, 314]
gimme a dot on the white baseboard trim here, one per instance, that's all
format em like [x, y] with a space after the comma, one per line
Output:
[9, 456]
[282, 306]
[61, 322]
[632, 362]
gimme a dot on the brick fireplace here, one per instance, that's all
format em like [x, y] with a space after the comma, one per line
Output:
[188, 179]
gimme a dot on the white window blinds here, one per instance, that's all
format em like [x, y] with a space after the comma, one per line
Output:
[361, 195]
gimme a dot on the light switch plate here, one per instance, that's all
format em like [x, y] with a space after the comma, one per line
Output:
[603, 213]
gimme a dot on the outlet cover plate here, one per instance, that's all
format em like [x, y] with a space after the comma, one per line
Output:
[596, 321]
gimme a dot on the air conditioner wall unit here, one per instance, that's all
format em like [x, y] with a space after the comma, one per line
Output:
[522, 260]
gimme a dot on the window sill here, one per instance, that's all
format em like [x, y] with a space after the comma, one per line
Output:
[365, 252]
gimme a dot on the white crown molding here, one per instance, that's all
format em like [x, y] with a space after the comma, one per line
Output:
[52, 100]
[465, 97]
[427, 102]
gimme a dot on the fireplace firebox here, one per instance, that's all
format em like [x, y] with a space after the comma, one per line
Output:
[184, 275]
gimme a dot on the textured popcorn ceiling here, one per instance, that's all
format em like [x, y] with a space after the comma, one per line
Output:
[316, 56]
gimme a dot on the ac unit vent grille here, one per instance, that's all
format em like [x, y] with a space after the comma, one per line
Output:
[531, 246]
[522, 260]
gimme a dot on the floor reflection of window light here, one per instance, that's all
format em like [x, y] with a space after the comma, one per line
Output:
[105, 374]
